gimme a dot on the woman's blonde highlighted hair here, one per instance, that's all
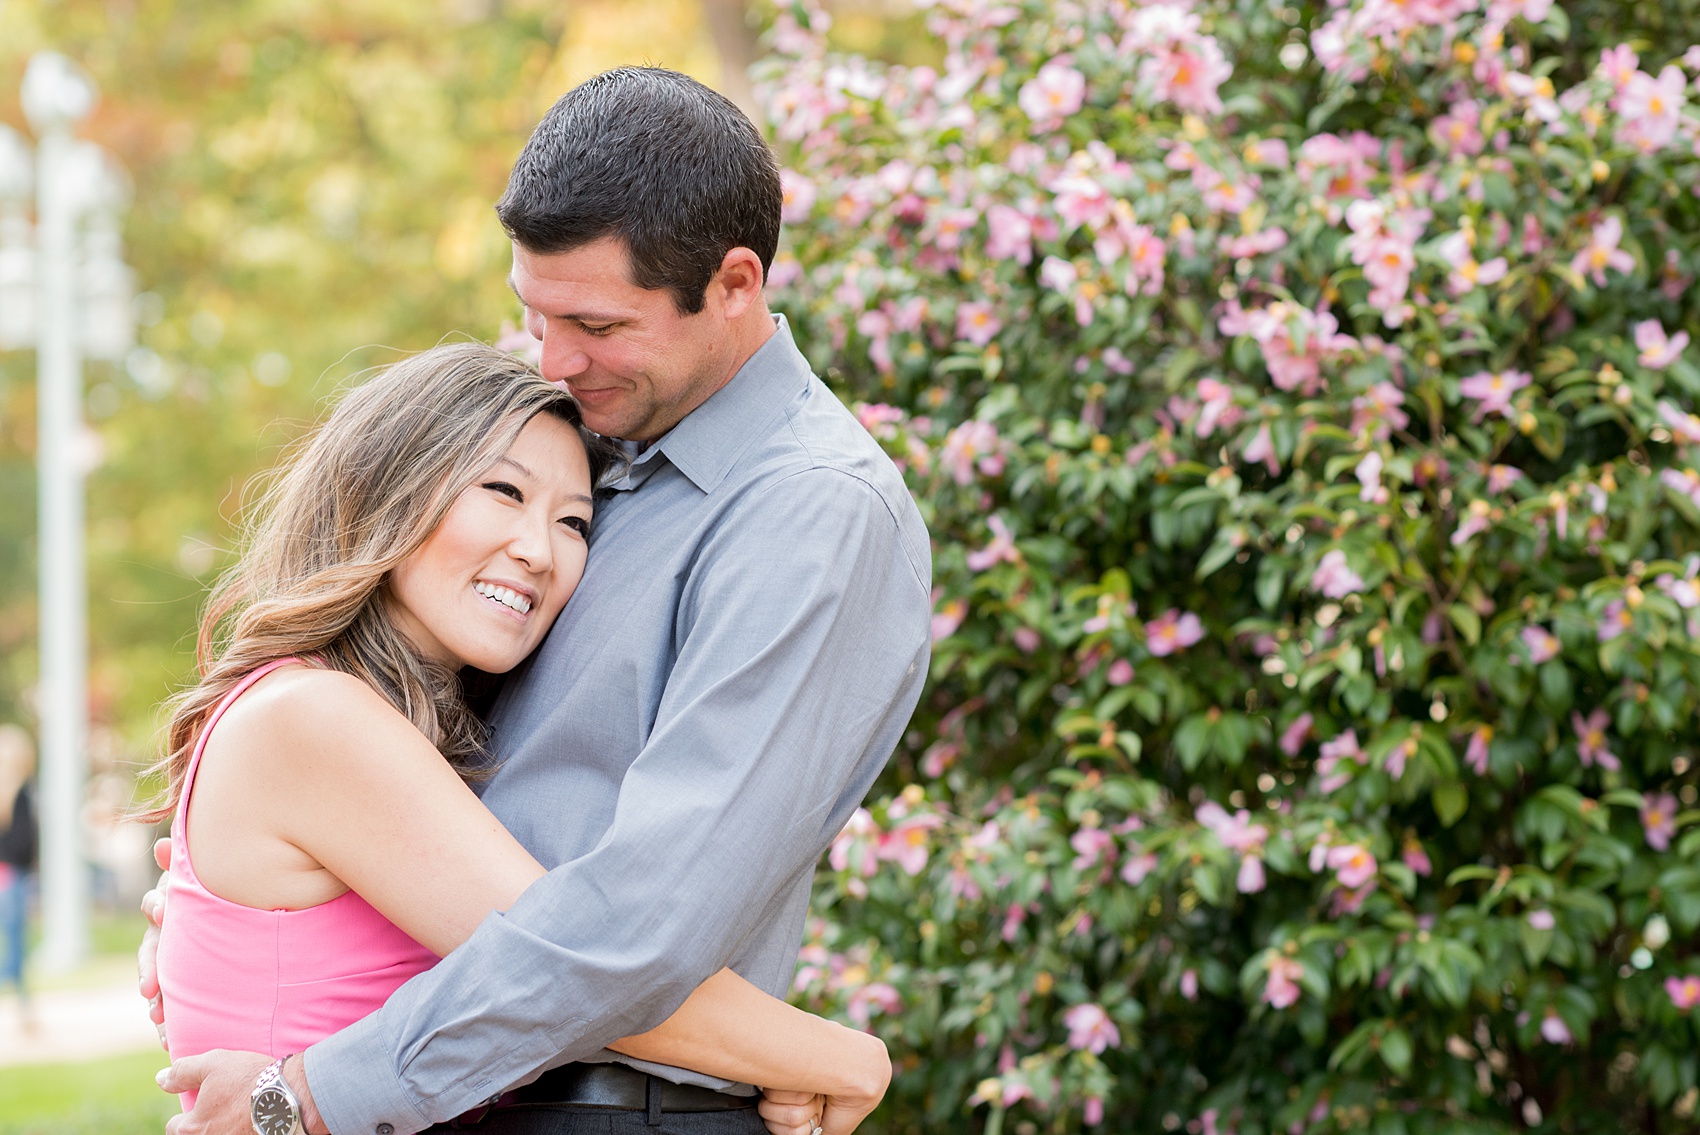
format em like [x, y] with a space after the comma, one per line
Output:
[364, 492]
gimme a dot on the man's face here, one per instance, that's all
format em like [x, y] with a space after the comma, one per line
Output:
[636, 366]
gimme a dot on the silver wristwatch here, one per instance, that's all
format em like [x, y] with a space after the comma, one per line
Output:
[273, 1108]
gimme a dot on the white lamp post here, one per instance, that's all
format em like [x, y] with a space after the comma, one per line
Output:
[64, 291]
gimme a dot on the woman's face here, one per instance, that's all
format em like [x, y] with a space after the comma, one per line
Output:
[486, 586]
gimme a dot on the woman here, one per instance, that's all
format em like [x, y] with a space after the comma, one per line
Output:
[18, 837]
[435, 526]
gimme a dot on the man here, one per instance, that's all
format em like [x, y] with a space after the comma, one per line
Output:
[749, 640]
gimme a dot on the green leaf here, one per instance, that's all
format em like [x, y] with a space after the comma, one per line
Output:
[1450, 800]
[1396, 1050]
[1469, 623]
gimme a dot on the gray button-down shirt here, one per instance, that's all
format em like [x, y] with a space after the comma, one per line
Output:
[744, 651]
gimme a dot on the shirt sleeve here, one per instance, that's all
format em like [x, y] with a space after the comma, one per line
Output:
[803, 640]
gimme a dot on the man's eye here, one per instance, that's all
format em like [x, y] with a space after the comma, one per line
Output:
[598, 331]
[505, 489]
[578, 524]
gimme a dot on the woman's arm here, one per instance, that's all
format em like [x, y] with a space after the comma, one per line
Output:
[731, 1029]
[331, 769]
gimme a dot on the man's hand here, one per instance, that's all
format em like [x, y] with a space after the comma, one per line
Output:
[147, 957]
[224, 1081]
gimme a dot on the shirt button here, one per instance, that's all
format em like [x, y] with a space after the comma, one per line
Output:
[385, 1129]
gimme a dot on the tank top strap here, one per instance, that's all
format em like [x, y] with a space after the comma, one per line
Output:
[224, 704]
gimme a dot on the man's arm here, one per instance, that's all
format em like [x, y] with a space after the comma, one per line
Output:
[803, 647]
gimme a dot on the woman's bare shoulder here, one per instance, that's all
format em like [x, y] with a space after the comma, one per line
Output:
[301, 714]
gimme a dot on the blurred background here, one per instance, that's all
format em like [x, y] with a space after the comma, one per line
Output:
[309, 187]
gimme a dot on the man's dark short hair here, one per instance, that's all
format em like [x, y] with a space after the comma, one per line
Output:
[654, 159]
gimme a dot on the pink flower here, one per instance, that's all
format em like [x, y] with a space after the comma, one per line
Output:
[1293, 737]
[1261, 447]
[1250, 879]
[1493, 392]
[1684, 427]
[1236, 832]
[1618, 63]
[1658, 350]
[1001, 550]
[906, 844]
[1684, 991]
[1171, 631]
[972, 446]
[1502, 477]
[1459, 130]
[1368, 474]
[1554, 1030]
[1189, 984]
[1092, 846]
[1416, 858]
[948, 617]
[1602, 252]
[1342, 747]
[1379, 405]
[1137, 866]
[977, 323]
[1591, 740]
[1658, 820]
[1353, 865]
[1651, 109]
[1466, 273]
[1090, 1028]
[1615, 620]
[1056, 92]
[1542, 644]
[1267, 152]
[1120, 672]
[1216, 403]
[1282, 988]
[1092, 1111]
[1188, 75]
[868, 998]
[1255, 244]
[797, 197]
[1542, 919]
[1476, 753]
[1334, 577]
[1476, 520]
[1686, 482]
[1009, 234]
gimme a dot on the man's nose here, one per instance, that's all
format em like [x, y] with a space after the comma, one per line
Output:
[563, 355]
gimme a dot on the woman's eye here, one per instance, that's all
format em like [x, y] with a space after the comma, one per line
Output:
[578, 524]
[505, 489]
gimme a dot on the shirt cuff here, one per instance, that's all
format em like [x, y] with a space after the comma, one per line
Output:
[355, 1094]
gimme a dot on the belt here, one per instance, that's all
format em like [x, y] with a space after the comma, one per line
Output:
[612, 1086]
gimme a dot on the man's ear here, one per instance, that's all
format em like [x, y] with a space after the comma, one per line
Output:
[739, 281]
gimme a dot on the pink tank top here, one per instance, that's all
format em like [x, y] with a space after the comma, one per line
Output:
[272, 981]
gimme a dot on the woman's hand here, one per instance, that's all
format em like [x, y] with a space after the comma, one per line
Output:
[799, 1113]
[790, 1113]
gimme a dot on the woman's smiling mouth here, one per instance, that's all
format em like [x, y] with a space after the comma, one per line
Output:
[506, 597]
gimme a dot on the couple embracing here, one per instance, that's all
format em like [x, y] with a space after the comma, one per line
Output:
[579, 910]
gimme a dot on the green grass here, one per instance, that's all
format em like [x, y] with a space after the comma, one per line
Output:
[116, 1096]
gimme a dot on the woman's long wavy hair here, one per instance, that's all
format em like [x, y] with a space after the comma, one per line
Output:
[364, 492]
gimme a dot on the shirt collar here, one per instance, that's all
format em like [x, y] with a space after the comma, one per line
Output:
[710, 438]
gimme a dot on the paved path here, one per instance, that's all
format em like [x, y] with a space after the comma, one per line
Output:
[83, 1023]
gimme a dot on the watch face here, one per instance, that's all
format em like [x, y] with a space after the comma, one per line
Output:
[272, 1113]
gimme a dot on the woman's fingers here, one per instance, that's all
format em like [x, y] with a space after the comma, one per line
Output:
[790, 1113]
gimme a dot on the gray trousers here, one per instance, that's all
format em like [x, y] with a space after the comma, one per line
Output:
[560, 1119]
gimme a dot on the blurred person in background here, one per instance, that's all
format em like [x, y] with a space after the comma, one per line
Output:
[18, 835]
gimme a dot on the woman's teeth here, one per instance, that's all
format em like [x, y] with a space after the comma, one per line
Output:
[503, 596]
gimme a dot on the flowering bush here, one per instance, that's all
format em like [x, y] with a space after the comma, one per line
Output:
[1301, 400]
